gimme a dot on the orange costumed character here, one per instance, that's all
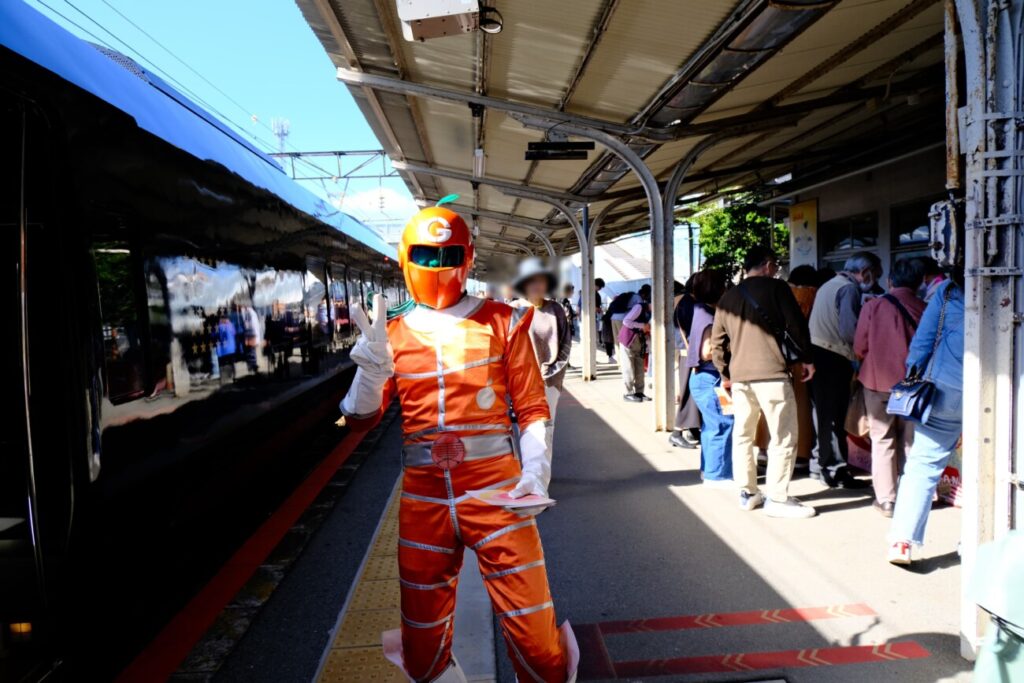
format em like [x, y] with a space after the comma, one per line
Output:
[456, 361]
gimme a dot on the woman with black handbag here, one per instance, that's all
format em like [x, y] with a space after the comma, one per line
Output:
[937, 356]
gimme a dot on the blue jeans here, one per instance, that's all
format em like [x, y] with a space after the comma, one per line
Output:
[716, 433]
[933, 444]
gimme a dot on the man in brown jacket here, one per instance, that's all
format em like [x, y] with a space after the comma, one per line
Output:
[746, 347]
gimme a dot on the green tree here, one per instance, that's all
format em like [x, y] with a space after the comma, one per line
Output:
[727, 233]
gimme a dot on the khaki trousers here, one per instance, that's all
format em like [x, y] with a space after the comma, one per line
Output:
[891, 439]
[775, 400]
[621, 356]
[631, 363]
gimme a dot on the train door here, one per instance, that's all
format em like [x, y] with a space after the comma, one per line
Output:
[36, 494]
[22, 576]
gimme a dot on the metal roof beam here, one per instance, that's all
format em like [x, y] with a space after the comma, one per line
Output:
[404, 87]
[541, 194]
[536, 228]
[495, 237]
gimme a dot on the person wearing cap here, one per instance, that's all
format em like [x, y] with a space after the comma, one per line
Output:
[550, 331]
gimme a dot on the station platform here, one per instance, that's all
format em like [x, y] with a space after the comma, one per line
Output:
[662, 579]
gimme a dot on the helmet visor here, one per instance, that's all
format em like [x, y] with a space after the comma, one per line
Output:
[437, 257]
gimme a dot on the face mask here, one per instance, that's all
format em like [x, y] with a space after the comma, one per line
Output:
[867, 285]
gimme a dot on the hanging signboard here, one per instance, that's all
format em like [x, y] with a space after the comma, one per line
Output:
[803, 234]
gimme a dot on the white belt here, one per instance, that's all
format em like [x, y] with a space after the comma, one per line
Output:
[477, 448]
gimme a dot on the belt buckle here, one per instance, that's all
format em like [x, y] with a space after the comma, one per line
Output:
[448, 451]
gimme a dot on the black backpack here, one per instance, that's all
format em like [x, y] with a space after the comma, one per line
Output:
[620, 304]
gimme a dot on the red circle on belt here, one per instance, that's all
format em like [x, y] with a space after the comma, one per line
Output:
[448, 451]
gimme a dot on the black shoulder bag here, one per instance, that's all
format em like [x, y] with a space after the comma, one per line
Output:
[788, 347]
[912, 397]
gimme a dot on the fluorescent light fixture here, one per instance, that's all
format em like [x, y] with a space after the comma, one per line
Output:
[478, 162]
[420, 201]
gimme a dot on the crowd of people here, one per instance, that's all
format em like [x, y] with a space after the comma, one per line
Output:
[773, 372]
[779, 369]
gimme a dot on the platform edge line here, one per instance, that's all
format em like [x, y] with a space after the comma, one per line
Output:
[166, 651]
[333, 634]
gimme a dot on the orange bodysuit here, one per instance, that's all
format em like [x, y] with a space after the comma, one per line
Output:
[456, 371]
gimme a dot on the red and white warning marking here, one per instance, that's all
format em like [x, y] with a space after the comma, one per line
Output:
[598, 664]
[754, 617]
[760, 661]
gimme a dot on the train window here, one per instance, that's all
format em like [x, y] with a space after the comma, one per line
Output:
[369, 286]
[212, 322]
[339, 304]
[315, 305]
[355, 287]
[123, 334]
[281, 294]
[393, 293]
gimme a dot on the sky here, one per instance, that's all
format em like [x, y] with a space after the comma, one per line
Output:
[265, 64]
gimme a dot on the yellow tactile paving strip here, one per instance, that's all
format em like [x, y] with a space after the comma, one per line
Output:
[356, 654]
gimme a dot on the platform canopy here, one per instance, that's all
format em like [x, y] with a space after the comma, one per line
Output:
[803, 87]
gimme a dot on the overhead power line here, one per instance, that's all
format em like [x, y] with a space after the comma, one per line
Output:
[139, 55]
[241, 107]
[142, 58]
[178, 59]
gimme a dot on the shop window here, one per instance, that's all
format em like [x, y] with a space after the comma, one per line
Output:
[841, 238]
[911, 233]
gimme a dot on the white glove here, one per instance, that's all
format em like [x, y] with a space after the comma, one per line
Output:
[536, 467]
[374, 359]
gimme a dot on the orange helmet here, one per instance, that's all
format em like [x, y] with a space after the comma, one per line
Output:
[435, 255]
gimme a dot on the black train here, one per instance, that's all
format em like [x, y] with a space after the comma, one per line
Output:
[178, 318]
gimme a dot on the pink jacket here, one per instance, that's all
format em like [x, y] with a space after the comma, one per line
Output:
[883, 338]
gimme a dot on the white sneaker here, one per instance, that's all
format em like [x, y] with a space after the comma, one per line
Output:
[900, 553]
[791, 508]
[750, 501]
[718, 484]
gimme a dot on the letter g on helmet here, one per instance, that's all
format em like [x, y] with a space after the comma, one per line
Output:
[435, 229]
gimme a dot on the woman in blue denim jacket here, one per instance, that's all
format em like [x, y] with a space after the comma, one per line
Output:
[935, 439]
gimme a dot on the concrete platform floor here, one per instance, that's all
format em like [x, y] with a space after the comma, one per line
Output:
[636, 537]
[662, 579]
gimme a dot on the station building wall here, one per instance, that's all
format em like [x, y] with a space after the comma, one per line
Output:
[884, 210]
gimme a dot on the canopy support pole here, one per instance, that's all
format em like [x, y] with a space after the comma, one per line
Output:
[662, 343]
[586, 268]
